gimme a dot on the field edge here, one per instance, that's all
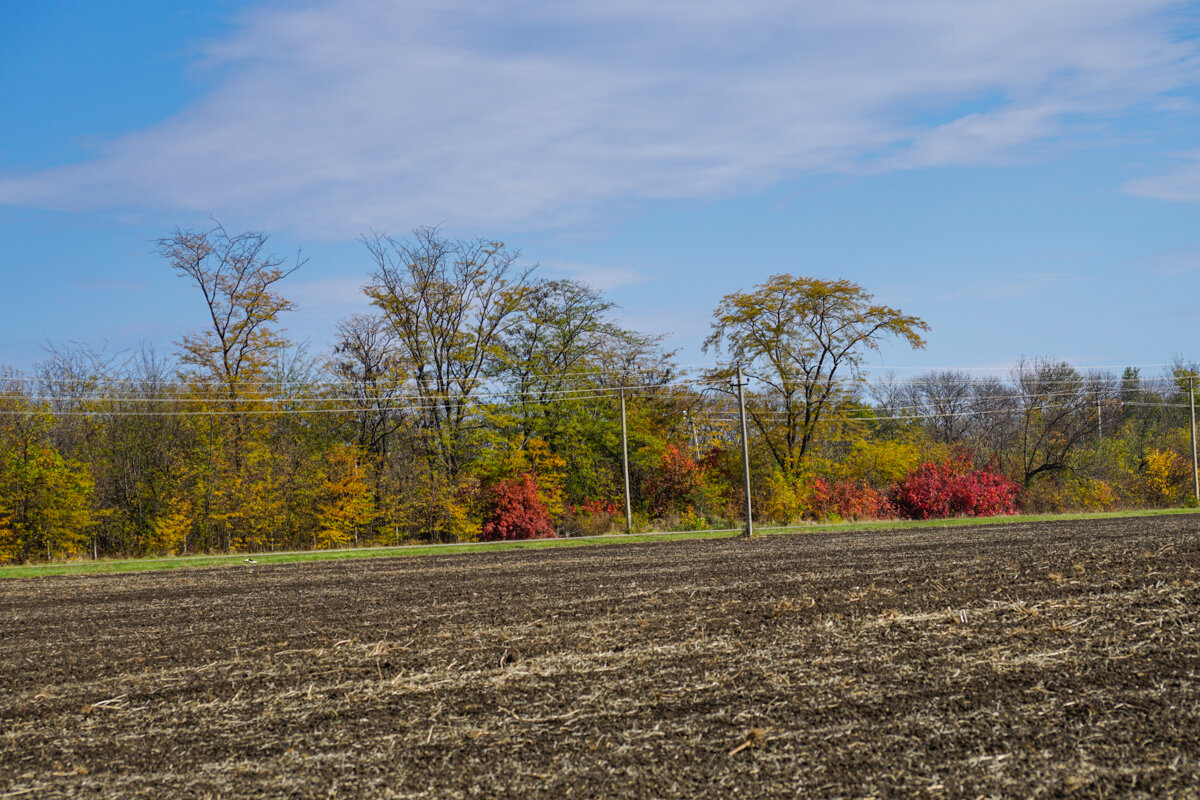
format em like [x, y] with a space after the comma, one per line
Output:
[105, 566]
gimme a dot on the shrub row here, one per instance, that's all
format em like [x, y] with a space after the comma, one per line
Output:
[952, 487]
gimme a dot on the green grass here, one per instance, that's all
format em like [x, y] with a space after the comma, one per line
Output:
[957, 522]
[178, 562]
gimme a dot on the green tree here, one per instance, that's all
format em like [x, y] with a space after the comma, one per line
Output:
[565, 362]
[1186, 378]
[547, 347]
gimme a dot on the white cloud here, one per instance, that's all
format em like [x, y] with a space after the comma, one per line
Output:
[598, 276]
[336, 117]
[1171, 263]
[330, 292]
[1181, 184]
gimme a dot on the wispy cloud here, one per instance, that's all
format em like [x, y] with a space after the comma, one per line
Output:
[329, 292]
[599, 276]
[336, 117]
[1180, 184]
[322, 302]
[1171, 263]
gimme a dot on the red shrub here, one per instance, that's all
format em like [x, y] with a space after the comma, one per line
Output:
[954, 488]
[514, 511]
[589, 518]
[590, 507]
[675, 482]
[846, 500]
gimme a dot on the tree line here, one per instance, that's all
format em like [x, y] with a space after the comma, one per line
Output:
[481, 400]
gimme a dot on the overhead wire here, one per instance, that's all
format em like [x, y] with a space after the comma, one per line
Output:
[379, 405]
[220, 394]
[371, 396]
[711, 367]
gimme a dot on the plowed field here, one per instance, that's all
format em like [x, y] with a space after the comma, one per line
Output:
[1044, 660]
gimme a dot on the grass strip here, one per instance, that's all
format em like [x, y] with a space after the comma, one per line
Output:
[300, 556]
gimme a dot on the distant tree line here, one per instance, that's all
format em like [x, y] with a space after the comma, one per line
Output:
[480, 400]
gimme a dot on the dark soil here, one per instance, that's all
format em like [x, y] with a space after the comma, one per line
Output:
[1046, 660]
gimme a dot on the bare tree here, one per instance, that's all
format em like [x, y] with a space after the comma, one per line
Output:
[448, 304]
[943, 402]
[1058, 411]
[371, 379]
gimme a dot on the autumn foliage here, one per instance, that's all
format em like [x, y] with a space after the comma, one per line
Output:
[846, 500]
[478, 402]
[594, 507]
[952, 488]
[515, 511]
[674, 484]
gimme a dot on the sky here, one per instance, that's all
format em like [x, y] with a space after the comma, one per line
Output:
[1024, 175]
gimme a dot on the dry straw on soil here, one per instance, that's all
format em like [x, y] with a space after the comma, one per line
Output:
[1017, 661]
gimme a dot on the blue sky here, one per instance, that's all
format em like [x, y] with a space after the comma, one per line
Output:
[1024, 175]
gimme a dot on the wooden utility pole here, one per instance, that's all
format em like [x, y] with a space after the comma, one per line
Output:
[745, 451]
[625, 466]
[1192, 430]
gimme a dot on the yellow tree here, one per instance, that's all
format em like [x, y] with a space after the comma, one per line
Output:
[45, 503]
[169, 531]
[255, 514]
[237, 280]
[804, 340]
[226, 365]
[345, 504]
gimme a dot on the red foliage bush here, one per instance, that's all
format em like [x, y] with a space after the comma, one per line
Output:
[846, 500]
[955, 488]
[674, 483]
[590, 507]
[514, 511]
[589, 518]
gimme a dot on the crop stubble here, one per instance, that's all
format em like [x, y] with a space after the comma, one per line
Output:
[1051, 659]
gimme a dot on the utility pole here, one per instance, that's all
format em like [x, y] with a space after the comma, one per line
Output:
[745, 451]
[625, 466]
[1192, 431]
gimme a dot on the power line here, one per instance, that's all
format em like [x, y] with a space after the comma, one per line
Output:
[607, 394]
[709, 367]
[178, 395]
